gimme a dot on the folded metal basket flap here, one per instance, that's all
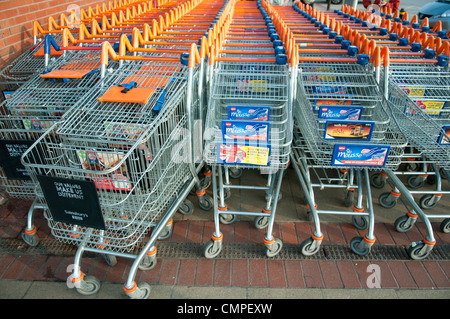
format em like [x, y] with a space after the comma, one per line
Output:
[65, 74]
[127, 94]
[53, 52]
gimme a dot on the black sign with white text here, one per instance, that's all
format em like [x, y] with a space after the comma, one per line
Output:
[72, 201]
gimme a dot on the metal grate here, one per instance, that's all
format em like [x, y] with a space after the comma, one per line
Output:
[187, 250]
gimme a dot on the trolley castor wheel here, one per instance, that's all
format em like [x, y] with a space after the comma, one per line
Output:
[385, 200]
[30, 238]
[445, 226]
[235, 172]
[261, 222]
[111, 260]
[87, 286]
[420, 250]
[429, 201]
[310, 246]
[213, 247]
[360, 222]
[361, 245]
[186, 208]
[149, 261]
[227, 219]
[377, 180]
[405, 223]
[416, 181]
[226, 193]
[139, 291]
[205, 202]
[167, 231]
[273, 247]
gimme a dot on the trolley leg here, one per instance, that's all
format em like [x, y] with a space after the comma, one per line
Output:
[311, 245]
[223, 216]
[273, 245]
[429, 201]
[261, 222]
[30, 232]
[214, 246]
[359, 221]
[85, 285]
[422, 249]
[362, 245]
[142, 290]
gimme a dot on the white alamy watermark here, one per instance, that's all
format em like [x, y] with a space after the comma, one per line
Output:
[375, 15]
[74, 18]
[70, 268]
[374, 279]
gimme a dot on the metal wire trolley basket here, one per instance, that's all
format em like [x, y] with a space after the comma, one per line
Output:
[342, 124]
[110, 172]
[419, 108]
[249, 119]
[38, 104]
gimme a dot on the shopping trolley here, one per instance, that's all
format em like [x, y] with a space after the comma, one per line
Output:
[342, 130]
[249, 118]
[426, 132]
[36, 106]
[116, 167]
[45, 98]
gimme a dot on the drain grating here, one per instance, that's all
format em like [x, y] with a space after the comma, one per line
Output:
[187, 250]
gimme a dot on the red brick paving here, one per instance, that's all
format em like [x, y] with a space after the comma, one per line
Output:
[254, 272]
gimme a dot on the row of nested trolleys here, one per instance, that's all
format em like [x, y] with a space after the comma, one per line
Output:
[110, 131]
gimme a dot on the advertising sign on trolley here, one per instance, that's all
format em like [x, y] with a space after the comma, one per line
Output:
[360, 155]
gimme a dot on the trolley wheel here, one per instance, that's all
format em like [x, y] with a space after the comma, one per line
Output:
[273, 249]
[280, 196]
[377, 182]
[235, 172]
[401, 224]
[205, 202]
[227, 219]
[428, 201]
[261, 222]
[414, 251]
[142, 291]
[445, 225]
[358, 248]
[110, 259]
[349, 198]
[360, 222]
[88, 286]
[308, 247]
[383, 201]
[205, 182]
[148, 262]
[226, 193]
[415, 182]
[30, 240]
[166, 232]
[212, 249]
[186, 208]
[412, 167]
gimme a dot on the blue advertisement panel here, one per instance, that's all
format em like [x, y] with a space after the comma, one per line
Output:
[360, 155]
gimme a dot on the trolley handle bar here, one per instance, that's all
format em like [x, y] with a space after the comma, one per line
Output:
[107, 50]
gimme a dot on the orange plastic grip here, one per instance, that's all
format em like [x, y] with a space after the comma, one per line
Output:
[67, 36]
[194, 56]
[37, 29]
